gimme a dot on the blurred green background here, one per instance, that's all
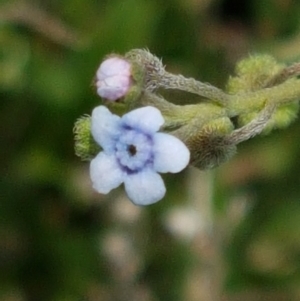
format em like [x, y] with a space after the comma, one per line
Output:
[61, 241]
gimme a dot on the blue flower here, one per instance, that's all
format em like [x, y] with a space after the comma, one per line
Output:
[133, 153]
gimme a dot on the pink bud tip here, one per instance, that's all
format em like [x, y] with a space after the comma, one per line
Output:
[113, 78]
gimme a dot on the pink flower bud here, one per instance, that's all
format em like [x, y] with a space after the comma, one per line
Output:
[113, 78]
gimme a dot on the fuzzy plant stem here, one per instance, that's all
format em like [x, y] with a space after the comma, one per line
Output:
[253, 128]
[158, 77]
[176, 115]
[254, 101]
[179, 82]
[285, 74]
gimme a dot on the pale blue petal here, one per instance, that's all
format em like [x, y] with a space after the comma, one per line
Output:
[145, 188]
[105, 173]
[147, 119]
[105, 127]
[170, 153]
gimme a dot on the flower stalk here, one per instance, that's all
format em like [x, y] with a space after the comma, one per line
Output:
[179, 82]
[281, 94]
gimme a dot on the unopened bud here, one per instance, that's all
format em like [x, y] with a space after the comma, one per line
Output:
[113, 78]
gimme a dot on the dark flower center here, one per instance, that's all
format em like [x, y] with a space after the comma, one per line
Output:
[131, 150]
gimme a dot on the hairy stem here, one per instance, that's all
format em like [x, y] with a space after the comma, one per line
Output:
[284, 75]
[171, 81]
[251, 102]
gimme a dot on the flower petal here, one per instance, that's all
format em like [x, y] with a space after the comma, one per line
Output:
[148, 119]
[170, 153]
[145, 188]
[105, 127]
[105, 173]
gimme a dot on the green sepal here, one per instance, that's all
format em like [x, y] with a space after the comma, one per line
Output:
[208, 145]
[253, 73]
[282, 118]
[85, 146]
